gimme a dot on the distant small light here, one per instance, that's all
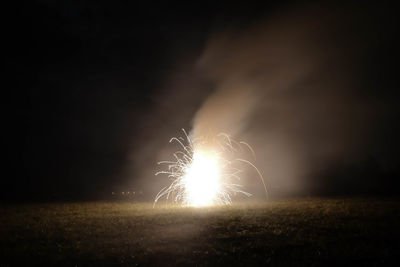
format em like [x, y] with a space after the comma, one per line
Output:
[123, 193]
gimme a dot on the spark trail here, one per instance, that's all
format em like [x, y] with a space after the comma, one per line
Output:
[206, 171]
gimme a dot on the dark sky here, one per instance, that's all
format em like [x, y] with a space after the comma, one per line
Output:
[95, 86]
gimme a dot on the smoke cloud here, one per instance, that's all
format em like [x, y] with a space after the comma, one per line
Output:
[293, 87]
[290, 87]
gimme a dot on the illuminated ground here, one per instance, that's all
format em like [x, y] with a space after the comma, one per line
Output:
[297, 232]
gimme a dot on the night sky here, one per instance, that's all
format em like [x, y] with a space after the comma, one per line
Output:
[97, 88]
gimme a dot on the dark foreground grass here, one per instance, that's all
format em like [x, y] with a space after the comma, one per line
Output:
[311, 232]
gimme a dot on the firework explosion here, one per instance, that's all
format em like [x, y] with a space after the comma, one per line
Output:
[206, 171]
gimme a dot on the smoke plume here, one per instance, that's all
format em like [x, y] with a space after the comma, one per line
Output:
[290, 86]
[295, 86]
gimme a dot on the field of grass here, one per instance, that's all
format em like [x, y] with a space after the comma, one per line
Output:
[301, 232]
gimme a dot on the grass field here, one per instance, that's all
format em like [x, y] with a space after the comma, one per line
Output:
[301, 232]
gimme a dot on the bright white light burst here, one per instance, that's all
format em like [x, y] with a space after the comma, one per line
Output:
[202, 179]
[206, 171]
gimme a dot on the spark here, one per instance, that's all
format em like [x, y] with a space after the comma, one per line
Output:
[206, 171]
